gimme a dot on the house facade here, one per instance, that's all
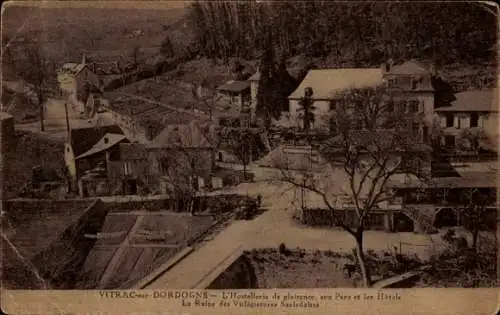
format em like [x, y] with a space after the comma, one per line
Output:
[78, 81]
[409, 86]
[471, 113]
[80, 142]
[233, 102]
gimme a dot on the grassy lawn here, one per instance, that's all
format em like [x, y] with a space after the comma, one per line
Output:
[300, 269]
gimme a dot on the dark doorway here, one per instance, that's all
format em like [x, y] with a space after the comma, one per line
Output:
[474, 120]
[446, 217]
[403, 223]
[130, 187]
[449, 141]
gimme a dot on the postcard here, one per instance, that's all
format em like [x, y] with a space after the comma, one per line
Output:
[247, 157]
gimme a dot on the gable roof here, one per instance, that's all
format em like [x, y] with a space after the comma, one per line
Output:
[107, 141]
[326, 82]
[82, 139]
[181, 136]
[234, 86]
[410, 67]
[468, 101]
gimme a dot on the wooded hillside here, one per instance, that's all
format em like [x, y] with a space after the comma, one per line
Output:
[355, 34]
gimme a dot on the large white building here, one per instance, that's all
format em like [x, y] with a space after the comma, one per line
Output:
[411, 80]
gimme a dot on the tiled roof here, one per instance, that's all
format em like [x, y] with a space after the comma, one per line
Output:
[234, 86]
[83, 139]
[466, 180]
[326, 82]
[469, 101]
[410, 67]
[181, 136]
[107, 141]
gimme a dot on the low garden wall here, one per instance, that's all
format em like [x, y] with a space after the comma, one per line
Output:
[239, 275]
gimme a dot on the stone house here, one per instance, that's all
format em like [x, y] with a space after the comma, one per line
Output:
[81, 141]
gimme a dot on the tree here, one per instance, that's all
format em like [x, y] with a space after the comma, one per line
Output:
[265, 92]
[40, 74]
[136, 55]
[472, 206]
[167, 49]
[366, 159]
[307, 109]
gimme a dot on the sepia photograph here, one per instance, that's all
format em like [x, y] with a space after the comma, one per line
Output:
[223, 145]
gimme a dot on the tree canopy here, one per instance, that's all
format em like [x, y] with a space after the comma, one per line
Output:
[355, 33]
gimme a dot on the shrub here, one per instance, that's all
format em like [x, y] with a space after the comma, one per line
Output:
[282, 249]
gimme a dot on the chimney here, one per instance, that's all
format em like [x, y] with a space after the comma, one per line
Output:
[387, 66]
[433, 70]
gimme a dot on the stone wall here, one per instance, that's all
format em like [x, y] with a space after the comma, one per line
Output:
[239, 275]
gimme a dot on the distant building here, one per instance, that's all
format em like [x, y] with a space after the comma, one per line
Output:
[233, 102]
[78, 80]
[80, 142]
[183, 156]
[472, 112]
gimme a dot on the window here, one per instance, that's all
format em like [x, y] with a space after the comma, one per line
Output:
[414, 106]
[390, 107]
[474, 120]
[392, 83]
[127, 168]
[415, 127]
[286, 106]
[449, 120]
[401, 107]
[333, 105]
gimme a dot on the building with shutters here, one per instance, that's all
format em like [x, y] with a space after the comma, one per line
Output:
[471, 113]
[410, 86]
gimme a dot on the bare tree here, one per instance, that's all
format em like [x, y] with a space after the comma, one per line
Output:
[372, 145]
[136, 55]
[39, 72]
[472, 206]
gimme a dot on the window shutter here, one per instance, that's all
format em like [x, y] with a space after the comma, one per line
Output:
[421, 106]
[443, 121]
[456, 122]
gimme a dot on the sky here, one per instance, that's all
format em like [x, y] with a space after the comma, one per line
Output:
[136, 4]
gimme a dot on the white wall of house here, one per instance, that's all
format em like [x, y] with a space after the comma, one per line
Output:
[462, 120]
[254, 86]
[322, 109]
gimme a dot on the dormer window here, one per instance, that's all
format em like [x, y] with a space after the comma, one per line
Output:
[391, 83]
